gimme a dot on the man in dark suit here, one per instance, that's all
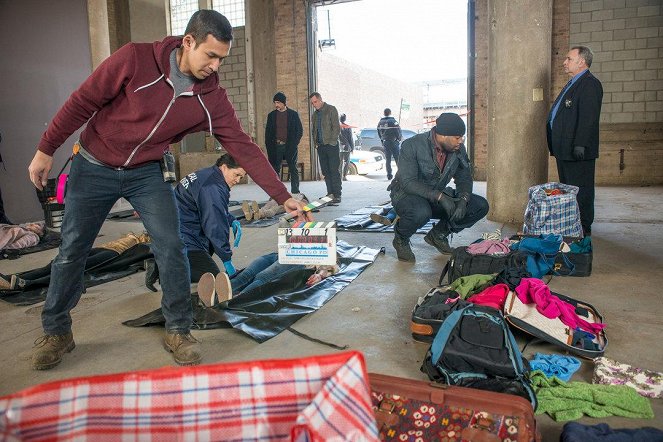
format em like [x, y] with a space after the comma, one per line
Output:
[573, 130]
[282, 135]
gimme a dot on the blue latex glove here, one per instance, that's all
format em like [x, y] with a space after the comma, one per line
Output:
[230, 268]
[237, 232]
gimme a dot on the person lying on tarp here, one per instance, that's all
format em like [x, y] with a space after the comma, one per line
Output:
[252, 211]
[264, 269]
[20, 236]
[41, 277]
[205, 221]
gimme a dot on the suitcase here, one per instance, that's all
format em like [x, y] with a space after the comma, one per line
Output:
[462, 263]
[407, 409]
[423, 326]
[527, 318]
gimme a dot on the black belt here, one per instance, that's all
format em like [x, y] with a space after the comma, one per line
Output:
[280, 143]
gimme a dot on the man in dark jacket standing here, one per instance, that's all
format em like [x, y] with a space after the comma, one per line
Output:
[427, 164]
[347, 146]
[282, 135]
[142, 98]
[326, 128]
[390, 134]
[572, 130]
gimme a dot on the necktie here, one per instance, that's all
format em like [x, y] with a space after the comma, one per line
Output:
[553, 112]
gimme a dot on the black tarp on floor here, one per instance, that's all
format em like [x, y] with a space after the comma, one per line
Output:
[266, 311]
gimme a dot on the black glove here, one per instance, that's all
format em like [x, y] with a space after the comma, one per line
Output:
[461, 210]
[447, 204]
[579, 153]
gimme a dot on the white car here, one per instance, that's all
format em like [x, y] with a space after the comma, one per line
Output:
[363, 163]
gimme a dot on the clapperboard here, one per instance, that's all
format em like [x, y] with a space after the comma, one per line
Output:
[308, 243]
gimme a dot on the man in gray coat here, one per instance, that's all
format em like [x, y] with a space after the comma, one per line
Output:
[326, 129]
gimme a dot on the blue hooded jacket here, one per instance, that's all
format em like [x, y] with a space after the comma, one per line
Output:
[202, 200]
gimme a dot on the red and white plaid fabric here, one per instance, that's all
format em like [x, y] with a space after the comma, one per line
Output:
[319, 398]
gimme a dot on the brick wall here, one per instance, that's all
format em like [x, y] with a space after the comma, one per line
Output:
[292, 67]
[232, 74]
[627, 39]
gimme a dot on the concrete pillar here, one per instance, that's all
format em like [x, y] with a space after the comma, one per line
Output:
[519, 78]
[260, 21]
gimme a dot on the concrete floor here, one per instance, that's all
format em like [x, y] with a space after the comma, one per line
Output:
[625, 286]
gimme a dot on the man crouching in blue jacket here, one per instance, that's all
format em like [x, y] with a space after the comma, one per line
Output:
[205, 222]
[419, 191]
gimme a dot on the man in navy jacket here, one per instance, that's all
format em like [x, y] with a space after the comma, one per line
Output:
[572, 130]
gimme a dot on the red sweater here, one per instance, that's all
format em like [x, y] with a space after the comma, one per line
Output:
[132, 115]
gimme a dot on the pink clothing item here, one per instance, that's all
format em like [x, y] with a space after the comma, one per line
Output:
[489, 247]
[533, 290]
[20, 236]
[493, 296]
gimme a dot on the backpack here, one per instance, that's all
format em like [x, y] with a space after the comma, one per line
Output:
[463, 263]
[475, 348]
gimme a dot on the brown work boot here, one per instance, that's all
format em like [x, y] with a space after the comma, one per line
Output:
[49, 349]
[403, 249]
[184, 347]
[439, 238]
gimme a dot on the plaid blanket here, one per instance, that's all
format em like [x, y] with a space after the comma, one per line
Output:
[556, 213]
[319, 398]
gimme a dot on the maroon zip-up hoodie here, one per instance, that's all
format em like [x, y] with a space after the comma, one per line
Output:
[132, 115]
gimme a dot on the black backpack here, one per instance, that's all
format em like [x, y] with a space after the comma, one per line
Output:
[475, 348]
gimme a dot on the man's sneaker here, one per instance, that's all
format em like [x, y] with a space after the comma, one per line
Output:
[336, 200]
[151, 273]
[184, 347]
[390, 177]
[224, 290]
[440, 241]
[377, 218]
[49, 349]
[206, 289]
[403, 249]
[248, 213]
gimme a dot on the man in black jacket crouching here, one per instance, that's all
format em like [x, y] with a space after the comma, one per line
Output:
[419, 191]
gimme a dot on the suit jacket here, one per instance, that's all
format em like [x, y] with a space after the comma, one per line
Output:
[577, 120]
[295, 129]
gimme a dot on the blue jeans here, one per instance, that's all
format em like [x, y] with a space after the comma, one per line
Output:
[263, 269]
[91, 192]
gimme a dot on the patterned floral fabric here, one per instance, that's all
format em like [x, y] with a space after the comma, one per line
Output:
[646, 382]
[422, 421]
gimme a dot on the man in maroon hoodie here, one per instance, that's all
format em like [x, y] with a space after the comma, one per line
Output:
[138, 101]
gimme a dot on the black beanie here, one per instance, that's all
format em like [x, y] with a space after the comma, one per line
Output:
[280, 96]
[449, 124]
